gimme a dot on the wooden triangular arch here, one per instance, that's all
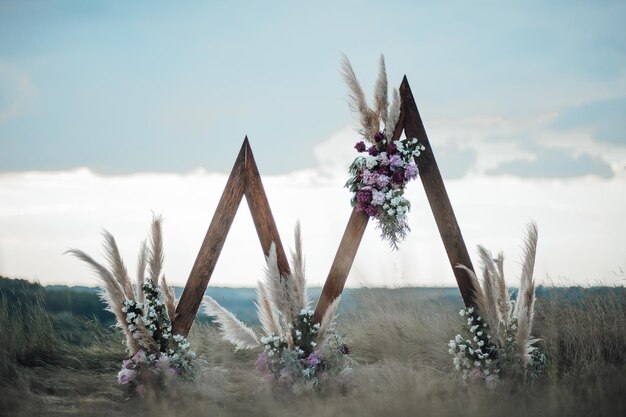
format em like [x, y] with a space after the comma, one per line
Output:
[411, 123]
[245, 180]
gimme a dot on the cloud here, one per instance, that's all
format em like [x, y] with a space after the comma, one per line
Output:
[555, 163]
[605, 119]
[16, 92]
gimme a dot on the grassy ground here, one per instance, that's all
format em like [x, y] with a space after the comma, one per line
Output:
[398, 344]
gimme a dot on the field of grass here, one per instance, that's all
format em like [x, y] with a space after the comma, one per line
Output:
[398, 344]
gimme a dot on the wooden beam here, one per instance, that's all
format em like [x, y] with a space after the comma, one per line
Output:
[261, 213]
[437, 195]
[336, 280]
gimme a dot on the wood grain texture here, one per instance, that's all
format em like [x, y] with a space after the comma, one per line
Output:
[437, 196]
[212, 245]
[336, 280]
[262, 214]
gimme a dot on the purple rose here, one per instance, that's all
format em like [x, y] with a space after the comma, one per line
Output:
[383, 159]
[395, 161]
[364, 195]
[369, 178]
[382, 181]
[398, 177]
[392, 149]
[360, 146]
[373, 150]
[313, 360]
[411, 171]
[379, 136]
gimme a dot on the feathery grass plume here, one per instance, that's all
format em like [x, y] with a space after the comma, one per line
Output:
[281, 290]
[327, 321]
[369, 119]
[504, 299]
[142, 260]
[394, 114]
[265, 311]
[479, 297]
[381, 102]
[111, 293]
[169, 297]
[155, 253]
[118, 268]
[232, 329]
[525, 305]
[491, 312]
[297, 270]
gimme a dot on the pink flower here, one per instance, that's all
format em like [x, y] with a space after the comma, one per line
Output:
[411, 171]
[262, 364]
[395, 161]
[125, 376]
[313, 360]
[139, 357]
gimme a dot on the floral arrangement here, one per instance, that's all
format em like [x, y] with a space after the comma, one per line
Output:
[297, 352]
[379, 177]
[496, 337]
[143, 311]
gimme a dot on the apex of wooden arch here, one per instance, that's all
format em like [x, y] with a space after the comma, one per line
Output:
[245, 180]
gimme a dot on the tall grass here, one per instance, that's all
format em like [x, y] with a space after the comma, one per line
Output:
[402, 368]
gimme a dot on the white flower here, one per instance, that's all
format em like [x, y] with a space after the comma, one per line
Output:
[452, 344]
[371, 162]
[477, 364]
[462, 313]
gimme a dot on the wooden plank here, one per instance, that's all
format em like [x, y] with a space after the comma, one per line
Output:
[437, 195]
[261, 213]
[336, 280]
[212, 245]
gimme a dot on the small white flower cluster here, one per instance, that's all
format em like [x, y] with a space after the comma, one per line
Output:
[474, 355]
[167, 351]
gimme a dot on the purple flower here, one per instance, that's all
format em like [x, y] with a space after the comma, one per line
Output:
[373, 150]
[364, 195]
[139, 357]
[360, 146]
[262, 364]
[127, 364]
[398, 178]
[383, 159]
[125, 376]
[382, 181]
[313, 360]
[392, 149]
[395, 161]
[371, 211]
[411, 171]
[378, 198]
[369, 178]
[379, 136]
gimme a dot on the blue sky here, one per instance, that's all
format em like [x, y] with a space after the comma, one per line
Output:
[112, 109]
[124, 87]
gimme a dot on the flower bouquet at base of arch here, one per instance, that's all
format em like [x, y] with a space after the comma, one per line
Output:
[143, 310]
[298, 354]
[496, 340]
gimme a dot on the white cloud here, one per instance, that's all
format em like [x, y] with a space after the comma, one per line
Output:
[43, 214]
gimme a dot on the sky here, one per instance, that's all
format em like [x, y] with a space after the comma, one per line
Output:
[111, 110]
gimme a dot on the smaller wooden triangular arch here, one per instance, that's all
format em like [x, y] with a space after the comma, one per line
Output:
[411, 123]
[244, 180]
